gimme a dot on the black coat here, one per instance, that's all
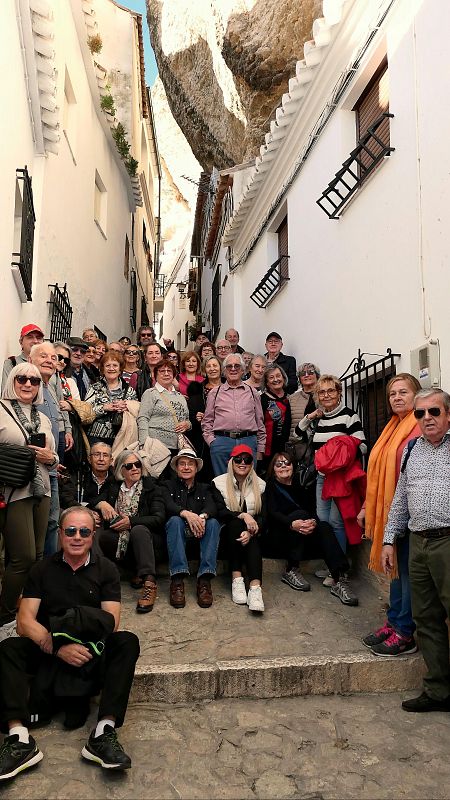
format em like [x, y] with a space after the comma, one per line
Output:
[150, 509]
[201, 498]
[91, 489]
[282, 509]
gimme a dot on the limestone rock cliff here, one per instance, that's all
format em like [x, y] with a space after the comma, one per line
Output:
[225, 65]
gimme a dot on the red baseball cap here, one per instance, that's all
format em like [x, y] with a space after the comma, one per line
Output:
[240, 449]
[30, 329]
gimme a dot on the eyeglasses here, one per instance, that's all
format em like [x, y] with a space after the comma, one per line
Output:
[306, 372]
[23, 379]
[223, 347]
[325, 392]
[131, 465]
[72, 529]
[173, 357]
[63, 358]
[243, 460]
[147, 335]
[131, 352]
[282, 464]
[419, 413]
[233, 366]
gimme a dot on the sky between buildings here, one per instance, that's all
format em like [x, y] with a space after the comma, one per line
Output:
[151, 70]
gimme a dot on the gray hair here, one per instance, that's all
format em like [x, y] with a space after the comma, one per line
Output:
[233, 355]
[258, 355]
[232, 329]
[121, 458]
[38, 346]
[103, 444]
[64, 346]
[308, 364]
[444, 396]
[269, 371]
[64, 514]
[9, 392]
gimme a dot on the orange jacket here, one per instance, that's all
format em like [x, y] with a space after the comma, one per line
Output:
[345, 480]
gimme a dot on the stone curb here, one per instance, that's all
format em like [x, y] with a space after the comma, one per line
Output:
[277, 677]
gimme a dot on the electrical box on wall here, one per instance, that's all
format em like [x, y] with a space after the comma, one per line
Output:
[425, 365]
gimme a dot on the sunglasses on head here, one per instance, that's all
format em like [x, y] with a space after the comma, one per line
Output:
[243, 459]
[63, 358]
[419, 413]
[72, 529]
[131, 465]
[23, 379]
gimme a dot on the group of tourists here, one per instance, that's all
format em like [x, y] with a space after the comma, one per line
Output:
[166, 456]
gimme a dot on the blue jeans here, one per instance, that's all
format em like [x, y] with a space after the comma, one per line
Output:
[327, 511]
[176, 546]
[51, 537]
[221, 448]
[399, 612]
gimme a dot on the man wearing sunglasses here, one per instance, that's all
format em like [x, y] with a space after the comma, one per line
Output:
[29, 335]
[422, 504]
[73, 577]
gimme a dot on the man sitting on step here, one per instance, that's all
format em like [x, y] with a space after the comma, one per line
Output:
[69, 641]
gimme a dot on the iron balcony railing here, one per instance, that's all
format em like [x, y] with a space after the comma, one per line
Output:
[24, 259]
[275, 277]
[366, 156]
[159, 288]
[61, 313]
[133, 299]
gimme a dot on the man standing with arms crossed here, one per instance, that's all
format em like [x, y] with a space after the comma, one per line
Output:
[422, 504]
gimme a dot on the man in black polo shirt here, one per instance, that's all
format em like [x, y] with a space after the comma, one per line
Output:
[73, 578]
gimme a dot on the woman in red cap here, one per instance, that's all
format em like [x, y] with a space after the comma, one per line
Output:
[242, 491]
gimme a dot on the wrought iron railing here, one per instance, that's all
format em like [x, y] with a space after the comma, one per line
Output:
[159, 288]
[370, 150]
[133, 299]
[215, 304]
[24, 259]
[144, 314]
[364, 390]
[61, 313]
[275, 277]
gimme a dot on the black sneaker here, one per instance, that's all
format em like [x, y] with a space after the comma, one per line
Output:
[16, 756]
[106, 750]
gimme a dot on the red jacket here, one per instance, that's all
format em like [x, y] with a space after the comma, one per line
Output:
[345, 480]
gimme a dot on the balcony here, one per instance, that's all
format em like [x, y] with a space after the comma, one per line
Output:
[159, 290]
[274, 279]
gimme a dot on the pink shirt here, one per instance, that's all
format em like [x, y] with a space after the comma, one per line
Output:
[234, 408]
[184, 381]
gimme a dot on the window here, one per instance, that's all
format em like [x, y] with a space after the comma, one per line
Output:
[100, 204]
[61, 313]
[215, 304]
[24, 222]
[126, 257]
[70, 115]
[144, 316]
[186, 334]
[133, 299]
[373, 102]
[283, 249]
[100, 334]
[179, 340]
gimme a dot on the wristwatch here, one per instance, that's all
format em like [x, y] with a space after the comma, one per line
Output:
[203, 515]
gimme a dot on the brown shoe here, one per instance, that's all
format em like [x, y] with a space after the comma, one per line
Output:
[137, 582]
[147, 598]
[177, 598]
[204, 593]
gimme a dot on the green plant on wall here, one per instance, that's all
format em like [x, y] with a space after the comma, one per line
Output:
[131, 165]
[95, 43]
[119, 135]
[107, 103]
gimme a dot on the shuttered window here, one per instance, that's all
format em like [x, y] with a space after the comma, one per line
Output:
[373, 102]
[283, 250]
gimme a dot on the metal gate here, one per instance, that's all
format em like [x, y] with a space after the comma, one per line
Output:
[364, 390]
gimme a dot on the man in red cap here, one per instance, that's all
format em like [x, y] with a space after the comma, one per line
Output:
[29, 335]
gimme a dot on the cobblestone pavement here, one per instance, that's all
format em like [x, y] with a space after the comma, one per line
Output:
[314, 748]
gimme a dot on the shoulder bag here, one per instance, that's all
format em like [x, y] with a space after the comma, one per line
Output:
[182, 440]
[17, 461]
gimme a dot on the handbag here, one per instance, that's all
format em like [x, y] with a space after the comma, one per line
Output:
[17, 461]
[306, 468]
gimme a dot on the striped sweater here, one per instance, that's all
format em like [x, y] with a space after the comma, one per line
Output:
[343, 421]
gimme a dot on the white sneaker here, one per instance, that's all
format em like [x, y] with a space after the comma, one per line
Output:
[238, 593]
[255, 599]
[8, 631]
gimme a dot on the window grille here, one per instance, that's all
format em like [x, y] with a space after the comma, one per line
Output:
[215, 305]
[61, 313]
[24, 259]
[275, 277]
[133, 299]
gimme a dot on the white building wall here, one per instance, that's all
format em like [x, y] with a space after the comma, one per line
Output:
[359, 282]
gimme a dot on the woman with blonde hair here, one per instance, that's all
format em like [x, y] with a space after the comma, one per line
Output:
[244, 513]
[395, 636]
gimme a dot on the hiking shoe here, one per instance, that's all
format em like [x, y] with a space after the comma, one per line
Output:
[342, 590]
[254, 599]
[16, 756]
[395, 645]
[321, 573]
[426, 703]
[378, 636]
[176, 593]
[328, 581]
[295, 580]
[8, 630]
[204, 593]
[106, 750]
[147, 598]
[238, 591]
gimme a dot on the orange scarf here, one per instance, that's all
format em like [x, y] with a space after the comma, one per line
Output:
[381, 483]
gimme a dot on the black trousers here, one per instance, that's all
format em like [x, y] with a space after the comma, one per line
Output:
[295, 546]
[243, 554]
[140, 551]
[21, 658]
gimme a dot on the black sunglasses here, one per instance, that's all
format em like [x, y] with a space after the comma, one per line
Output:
[243, 459]
[131, 465]
[63, 358]
[131, 352]
[72, 529]
[23, 379]
[434, 412]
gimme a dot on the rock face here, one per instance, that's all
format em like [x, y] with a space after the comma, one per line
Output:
[225, 65]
